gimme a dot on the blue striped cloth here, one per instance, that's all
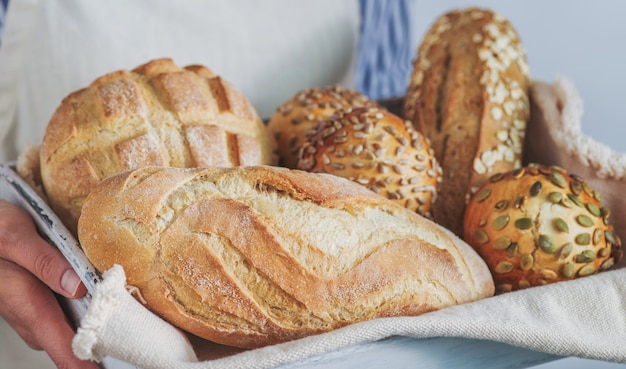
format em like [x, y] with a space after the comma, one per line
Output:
[385, 53]
[3, 13]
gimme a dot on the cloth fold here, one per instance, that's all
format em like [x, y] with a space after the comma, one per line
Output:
[585, 317]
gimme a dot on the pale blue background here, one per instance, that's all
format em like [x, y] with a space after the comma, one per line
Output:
[579, 39]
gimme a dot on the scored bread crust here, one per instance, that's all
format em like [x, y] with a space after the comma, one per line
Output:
[468, 93]
[259, 255]
[156, 114]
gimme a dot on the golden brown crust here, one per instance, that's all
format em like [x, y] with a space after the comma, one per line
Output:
[539, 225]
[303, 113]
[468, 94]
[157, 114]
[259, 255]
[379, 150]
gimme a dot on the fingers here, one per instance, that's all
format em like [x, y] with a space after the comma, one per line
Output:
[33, 312]
[21, 244]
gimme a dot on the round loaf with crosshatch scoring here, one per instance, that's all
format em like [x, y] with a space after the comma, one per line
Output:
[468, 94]
[156, 114]
[252, 256]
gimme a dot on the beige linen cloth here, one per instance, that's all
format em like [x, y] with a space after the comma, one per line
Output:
[584, 317]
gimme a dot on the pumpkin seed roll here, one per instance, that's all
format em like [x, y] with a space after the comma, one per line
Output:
[379, 150]
[537, 225]
[303, 112]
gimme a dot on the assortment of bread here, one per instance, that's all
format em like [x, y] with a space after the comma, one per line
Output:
[246, 253]
[156, 114]
[468, 94]
[379, 150]
[299, 116]
[537, 225]
[251, 256]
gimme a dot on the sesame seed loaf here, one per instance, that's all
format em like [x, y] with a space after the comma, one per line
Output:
[156, 114]
[379, 150]
[252, 256]
[468, 94]
[300, 115]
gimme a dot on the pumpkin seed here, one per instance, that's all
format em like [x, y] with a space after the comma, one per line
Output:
[557, 179]
[496, 177]
[609, 237]
[567, 203]
[555, 197]
[586, 256]
[500, 222]
[512, 249]
[546, 244]
[605, 211]
[593, 209]
[526, 261]
[561, 225]
[557, 168]
[544, 170]
[576, 187]
[535, 188]
[483, 195]
[502, 243]
[517, 173]
[597, 236]
[524, 223]
[576, 200]
[482, 222]
[504, 267]
[520, 200]
[566, 250]
[604, 252]
[586, 270]
[584, 220]
[607, 264]
[597, 195]
[523, 284]
[548, 274]
[583, 239]
[501, 205]
[587, 189]
[568, 269]
[481, 236]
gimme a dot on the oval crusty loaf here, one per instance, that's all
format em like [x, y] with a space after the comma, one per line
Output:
[538, 225]
[468, 94]
[379, 150]
[251, 256]
[303, 113]
[157, 114]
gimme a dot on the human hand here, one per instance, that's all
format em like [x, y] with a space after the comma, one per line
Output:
[30, 269]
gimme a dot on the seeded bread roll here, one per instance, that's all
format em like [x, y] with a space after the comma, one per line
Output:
[468, 94]
[379, 150]
[252, 256]
[302, 113]
[157, 114]
[539, 225]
